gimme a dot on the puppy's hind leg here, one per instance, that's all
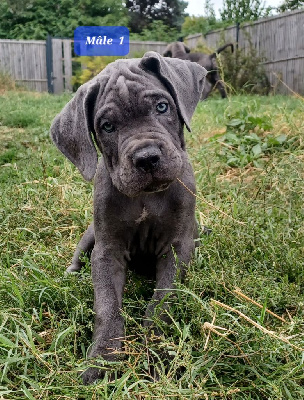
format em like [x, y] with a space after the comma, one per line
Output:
[84, 246]
[216, 81]
[207, 90]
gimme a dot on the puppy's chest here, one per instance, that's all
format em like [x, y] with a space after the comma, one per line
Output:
[155, 214]
[143, 216]
[152, 230]
[144, 213]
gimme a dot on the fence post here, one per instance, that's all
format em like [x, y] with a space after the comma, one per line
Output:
[49, 64]
[237, 34]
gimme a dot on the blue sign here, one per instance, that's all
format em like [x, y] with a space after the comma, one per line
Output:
[101, 41]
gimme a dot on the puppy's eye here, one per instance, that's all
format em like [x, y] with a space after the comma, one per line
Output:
[108, 127]
[162, 107]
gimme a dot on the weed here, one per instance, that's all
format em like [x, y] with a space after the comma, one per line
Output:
[7, 82]
[246, 140]
[244, 71]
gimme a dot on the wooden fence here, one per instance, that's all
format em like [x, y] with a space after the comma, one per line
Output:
[137, 47]
[47, 65]
[34, 65]
[25, 61]
[280, 39]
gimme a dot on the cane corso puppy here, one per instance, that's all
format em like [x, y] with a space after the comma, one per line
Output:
[134, 112]
[208, 61]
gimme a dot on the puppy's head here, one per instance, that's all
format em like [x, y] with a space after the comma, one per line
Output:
[135, 110]
[176, 49]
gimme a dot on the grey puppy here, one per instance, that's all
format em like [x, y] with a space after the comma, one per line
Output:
[208, 61]
[143, 217]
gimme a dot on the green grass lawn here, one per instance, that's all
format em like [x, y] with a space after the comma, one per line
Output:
[248, 157]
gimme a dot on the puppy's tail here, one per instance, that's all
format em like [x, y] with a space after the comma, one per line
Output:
[220, 49]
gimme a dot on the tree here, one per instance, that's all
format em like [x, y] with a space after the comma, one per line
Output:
[143, 12]
[209, 12]
[193, 25]
[34, 19]
[244, 10]
[202, 24]
[290, 5]
[158, 31]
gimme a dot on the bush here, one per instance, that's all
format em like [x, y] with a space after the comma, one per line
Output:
[157, 31]
[88, 67]
[7, 82]
[243, 71]
[193, 25]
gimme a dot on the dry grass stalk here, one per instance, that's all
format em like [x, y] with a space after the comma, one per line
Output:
[293, 92]
[209, 331]
[238, 292]
[209, 204]
[231, 391]
[258, 326]
[212, 327]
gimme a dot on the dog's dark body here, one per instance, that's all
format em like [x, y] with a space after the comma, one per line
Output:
[208, 61]
[135, 110]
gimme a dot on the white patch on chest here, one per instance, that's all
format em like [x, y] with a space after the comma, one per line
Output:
[142, 217]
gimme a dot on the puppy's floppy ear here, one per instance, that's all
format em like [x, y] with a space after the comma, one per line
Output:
[183, 79]
[187, 49]
[72, 127]
[168, 51]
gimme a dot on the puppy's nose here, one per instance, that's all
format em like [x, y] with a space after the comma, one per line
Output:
[147, 159]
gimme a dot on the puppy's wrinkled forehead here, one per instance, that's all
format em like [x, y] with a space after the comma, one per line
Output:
[127, 90]
[130, 89]
[122, 88]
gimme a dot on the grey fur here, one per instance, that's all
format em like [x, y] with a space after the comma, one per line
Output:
[141, 212]
[208, 61]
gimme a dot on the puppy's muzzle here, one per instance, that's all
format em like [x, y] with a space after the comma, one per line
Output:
[147, 159]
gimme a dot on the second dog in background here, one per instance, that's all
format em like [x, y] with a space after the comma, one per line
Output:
[208, 61]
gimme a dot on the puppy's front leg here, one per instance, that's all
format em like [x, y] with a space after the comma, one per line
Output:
[85, 245]
[109, 277]
[166, 270]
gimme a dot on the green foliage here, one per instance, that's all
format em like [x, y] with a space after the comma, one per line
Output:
[209, 10]
[156, 20]
[142, 13]
[246, 140]
[89, 67]
[290, 5]
[156, 30]
[35, 19]
[244, 10]
[202, 24]
[194, 25]
[46, 318]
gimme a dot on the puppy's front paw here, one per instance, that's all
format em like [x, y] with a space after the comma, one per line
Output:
[73, 268]
[92, 374]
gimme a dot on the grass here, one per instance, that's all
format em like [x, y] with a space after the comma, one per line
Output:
[221, 345]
